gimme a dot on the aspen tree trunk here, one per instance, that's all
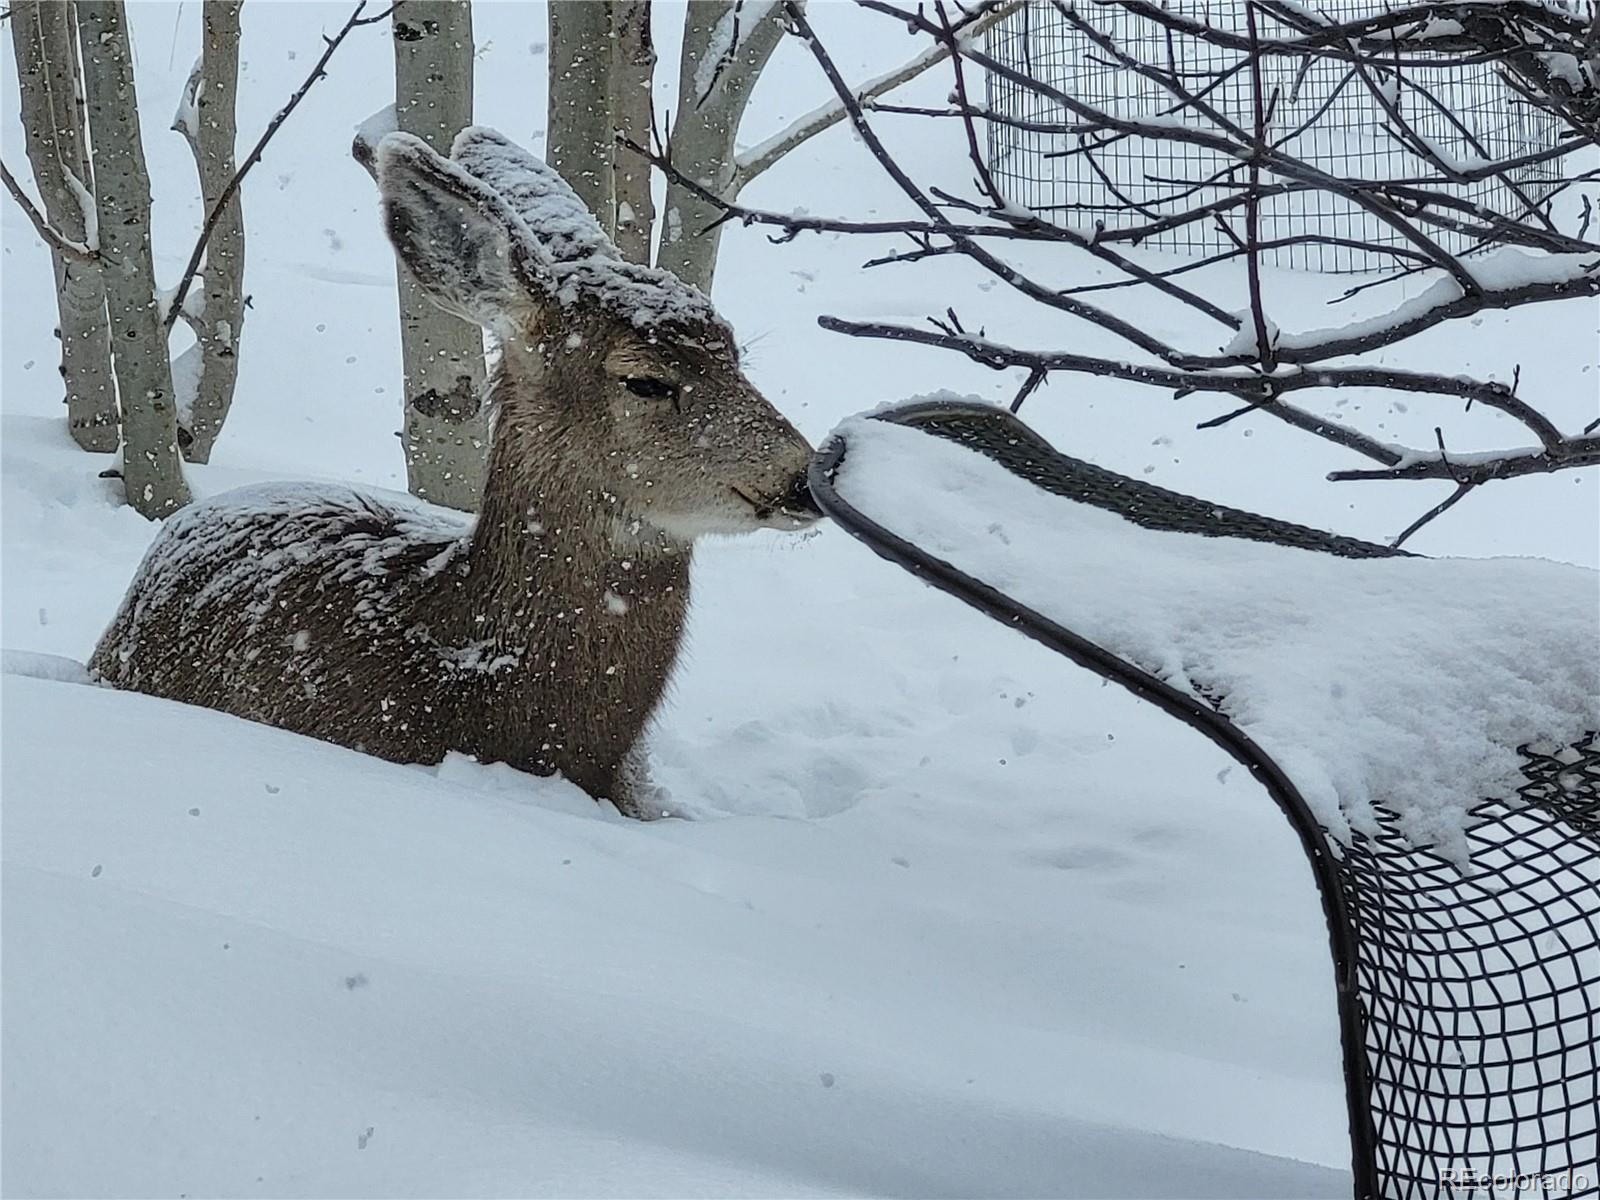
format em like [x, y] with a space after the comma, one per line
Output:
[52, 118]
[152, 471]
[579, 144]
[446, 430]
[207, 119]
[632, 71]
[711, 102]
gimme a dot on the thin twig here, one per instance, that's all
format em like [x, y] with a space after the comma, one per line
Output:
[993, 354]
[1252, 209]
[52, 236]
[985, 179]
[1437, 510]
[1035, 378]
[355, 21]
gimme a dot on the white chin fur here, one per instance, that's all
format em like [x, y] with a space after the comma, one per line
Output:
[688, 526]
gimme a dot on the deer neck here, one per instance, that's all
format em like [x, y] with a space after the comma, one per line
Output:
[549, 538]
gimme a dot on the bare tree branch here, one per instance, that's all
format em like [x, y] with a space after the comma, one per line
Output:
[1437, 510]
[1266, 352]
[757, 159]
[353, 22]
[1265, 395]
[1581, 451]
[1338, 342]
[1000, 269]
[52, 237]
[1473, 255]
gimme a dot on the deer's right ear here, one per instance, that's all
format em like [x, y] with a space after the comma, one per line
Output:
[462, 242]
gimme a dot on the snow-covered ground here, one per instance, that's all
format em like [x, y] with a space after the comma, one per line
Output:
[942, 916]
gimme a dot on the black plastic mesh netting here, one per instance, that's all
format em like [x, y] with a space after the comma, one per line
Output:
[1468, 994]
[1480, 991]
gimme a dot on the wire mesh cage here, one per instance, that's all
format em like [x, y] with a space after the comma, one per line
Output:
[1324, 111]
[1468, 988]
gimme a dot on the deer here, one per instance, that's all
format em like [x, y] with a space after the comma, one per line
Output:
[543, 633]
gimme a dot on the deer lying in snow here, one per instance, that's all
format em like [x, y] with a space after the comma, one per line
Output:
[541, 635]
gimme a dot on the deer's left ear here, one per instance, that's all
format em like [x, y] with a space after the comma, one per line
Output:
[464, 245]
[566, 231]
[581, 264]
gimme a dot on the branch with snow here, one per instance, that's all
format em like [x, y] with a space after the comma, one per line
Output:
[1518, 257]
[1265, 394]
[730, 34]
[1478, 468]
[186, 117]
[752, 162]
[52, 236]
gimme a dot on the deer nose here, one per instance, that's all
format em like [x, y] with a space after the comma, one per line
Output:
[797, 500]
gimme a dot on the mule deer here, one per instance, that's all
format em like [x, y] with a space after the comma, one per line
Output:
[541, 635]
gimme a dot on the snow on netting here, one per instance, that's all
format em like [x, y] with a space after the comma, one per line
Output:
[1465, 111]
[1427, 725]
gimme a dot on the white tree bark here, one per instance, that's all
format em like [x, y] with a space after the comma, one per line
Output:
[152, 471]
[52, 117]
[207, 119]
[446, 429]
[580, 142]
[632, 70]
[715, 80]
[757, 159]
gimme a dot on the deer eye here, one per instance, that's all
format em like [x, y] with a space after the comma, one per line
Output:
[651, 389]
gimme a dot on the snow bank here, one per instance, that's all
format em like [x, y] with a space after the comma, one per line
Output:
[1406, 682]
[30, 665]
[244, 963]
[241, 962]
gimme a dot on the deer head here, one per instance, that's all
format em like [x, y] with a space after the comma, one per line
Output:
[633, 368]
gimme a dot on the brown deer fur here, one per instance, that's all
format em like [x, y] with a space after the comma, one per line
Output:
[543, 634]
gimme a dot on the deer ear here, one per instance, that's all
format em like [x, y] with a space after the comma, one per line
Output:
[461, 241]
[564, 228]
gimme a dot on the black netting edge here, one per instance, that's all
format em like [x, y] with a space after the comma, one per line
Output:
[1469, 995]
[995, 434]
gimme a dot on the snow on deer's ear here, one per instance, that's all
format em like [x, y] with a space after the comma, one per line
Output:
[463, 243]
[584, 267]
[565, 229]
